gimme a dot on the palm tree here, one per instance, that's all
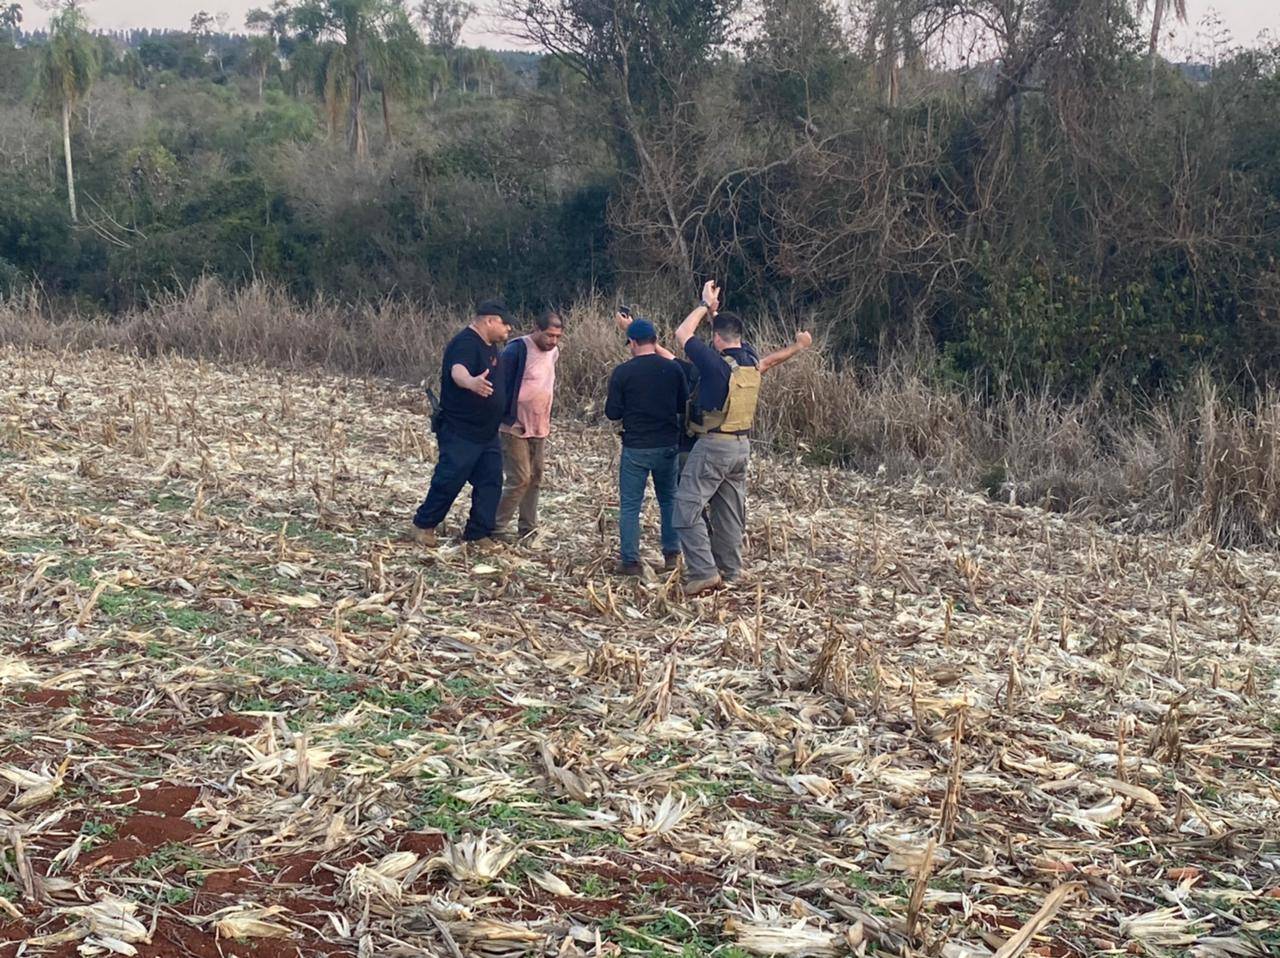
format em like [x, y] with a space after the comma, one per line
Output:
[10, 20]
[399, 62]
[373, 39]
[356, 25]
[67, 68]
[1159, 8]
[262, 53]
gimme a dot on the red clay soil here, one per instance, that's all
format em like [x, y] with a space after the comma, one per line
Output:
[421, 843]
[107, 857]
[230, 881]
[305, 869]
[156, 830]
[53, 698]
[687, 879]
[13, 931]
[232, 723]
[544, 903]
[170, 800]
[176, 939]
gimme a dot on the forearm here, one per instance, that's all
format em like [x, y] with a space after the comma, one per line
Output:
[663, 351]
[689, 328]
[779, 357]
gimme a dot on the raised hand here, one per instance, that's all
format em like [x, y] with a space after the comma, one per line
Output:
[481, 386]
[622, 322]
[711, 295]
[804, 339]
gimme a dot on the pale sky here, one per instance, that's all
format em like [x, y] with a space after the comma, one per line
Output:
[1245, 19]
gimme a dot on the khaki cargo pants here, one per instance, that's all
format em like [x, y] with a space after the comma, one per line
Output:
[714, 478]
[522, 466]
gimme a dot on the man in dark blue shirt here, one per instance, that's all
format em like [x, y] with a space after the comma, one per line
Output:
[647, 395]
[472, 401]
[715, 475]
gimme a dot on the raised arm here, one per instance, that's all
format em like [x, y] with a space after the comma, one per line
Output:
[624, 323]
[803, 341]
[710, 303]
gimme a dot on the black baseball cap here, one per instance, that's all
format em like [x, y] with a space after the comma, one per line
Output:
[495, 307]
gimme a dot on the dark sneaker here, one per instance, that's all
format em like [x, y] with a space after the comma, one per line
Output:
[670, 561]
[696, 587]
[628, 568]
[423, 537]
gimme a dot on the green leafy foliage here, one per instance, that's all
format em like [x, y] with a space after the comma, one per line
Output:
[1046, 235]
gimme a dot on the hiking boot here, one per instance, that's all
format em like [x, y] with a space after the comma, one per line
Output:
[628, 568]
[670, 561]
[696, 587]
[423, 537]
[483, 546]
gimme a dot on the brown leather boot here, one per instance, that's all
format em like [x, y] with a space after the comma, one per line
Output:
[696, 587]
[423, 537]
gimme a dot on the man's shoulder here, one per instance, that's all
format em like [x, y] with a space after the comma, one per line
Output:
[696, 349]
[465, 337]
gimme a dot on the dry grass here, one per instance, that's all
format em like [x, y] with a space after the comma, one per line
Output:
[1200, 465]
[243, 718]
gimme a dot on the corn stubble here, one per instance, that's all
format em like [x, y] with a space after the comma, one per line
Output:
[930, 725]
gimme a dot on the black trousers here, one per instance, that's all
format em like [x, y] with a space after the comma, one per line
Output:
[463, 461]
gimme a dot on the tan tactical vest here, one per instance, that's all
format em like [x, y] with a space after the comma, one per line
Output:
[739, 410]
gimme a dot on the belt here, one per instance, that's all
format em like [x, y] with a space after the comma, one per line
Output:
[741, 434]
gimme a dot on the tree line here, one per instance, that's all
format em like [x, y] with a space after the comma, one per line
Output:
[1022, 189]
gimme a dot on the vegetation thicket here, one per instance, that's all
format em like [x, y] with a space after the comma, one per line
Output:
[1022, 197]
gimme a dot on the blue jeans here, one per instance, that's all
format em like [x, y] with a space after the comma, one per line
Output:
[634, 470]
[463, 461]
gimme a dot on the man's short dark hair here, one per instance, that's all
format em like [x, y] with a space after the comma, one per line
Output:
[728, 325]
[548, 318]
[646, 341]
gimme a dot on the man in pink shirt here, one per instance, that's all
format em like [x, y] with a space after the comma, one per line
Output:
[529, 365]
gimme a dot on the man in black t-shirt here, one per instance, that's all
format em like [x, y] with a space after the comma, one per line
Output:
[472, 400]
[648, 395]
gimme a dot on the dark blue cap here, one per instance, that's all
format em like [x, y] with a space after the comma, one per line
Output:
[641, 329]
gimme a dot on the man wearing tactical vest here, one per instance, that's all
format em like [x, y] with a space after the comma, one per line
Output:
[715, 476]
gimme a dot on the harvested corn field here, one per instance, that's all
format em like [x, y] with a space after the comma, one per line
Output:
[244, 718]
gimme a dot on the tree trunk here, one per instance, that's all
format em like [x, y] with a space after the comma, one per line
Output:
[357, 139]
[261, 78]
[386, 117]
[651, 175]
[1157, 14]
[66, 150]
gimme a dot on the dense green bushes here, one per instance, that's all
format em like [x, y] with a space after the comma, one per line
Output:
[1083, 226]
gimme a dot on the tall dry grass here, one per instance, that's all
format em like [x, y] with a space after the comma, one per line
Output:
[1198, 464]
